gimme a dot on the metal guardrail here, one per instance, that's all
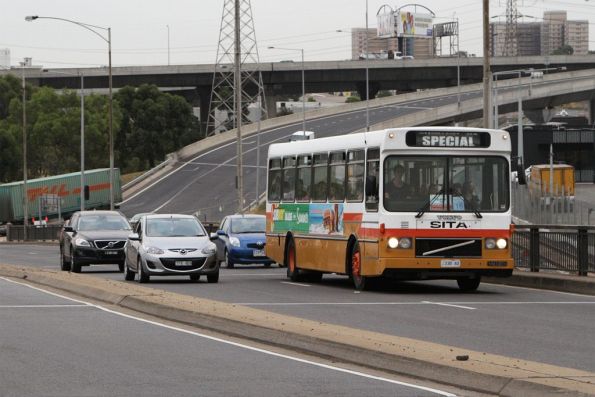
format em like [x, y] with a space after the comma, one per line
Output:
[34, 233]
[554, 247]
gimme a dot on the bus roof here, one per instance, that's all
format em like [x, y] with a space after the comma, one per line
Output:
[388, 139]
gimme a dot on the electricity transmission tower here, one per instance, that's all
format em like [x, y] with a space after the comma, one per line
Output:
[511, 47]
[237, 53]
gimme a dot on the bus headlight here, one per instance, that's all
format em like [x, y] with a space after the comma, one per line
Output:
[393, 242]
[501, 243]
[404, 242]
[490, 243]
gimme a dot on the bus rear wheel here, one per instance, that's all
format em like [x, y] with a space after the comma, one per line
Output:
[293, 272]
[469, 284]
[359, 282]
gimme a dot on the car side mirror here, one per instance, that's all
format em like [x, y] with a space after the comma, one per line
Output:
[68, 229]
[221, 233]
[214, 236]
[134, 237]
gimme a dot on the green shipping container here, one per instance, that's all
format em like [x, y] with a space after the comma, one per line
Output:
[60, 192]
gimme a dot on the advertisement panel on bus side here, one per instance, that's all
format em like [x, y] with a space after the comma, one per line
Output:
[323, 218]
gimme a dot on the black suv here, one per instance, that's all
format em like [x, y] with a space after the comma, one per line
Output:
[93, 237]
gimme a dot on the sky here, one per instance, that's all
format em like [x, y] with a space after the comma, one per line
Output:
[140, 28]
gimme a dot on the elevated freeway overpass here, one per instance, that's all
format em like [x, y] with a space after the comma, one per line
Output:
[284, 78]
[201, 177]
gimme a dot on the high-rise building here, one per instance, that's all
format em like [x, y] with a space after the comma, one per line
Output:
[543, 38]
[4, 58]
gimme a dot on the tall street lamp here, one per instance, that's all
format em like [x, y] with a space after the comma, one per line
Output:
[108, 40]
[25, 197]
[303, 83]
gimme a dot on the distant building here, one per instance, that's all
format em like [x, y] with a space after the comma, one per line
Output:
[542, 38]
[4, 58]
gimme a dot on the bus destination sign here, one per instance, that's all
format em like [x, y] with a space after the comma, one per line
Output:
[448, 139]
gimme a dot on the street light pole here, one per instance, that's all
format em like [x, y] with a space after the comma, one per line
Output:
[367, 75]
[108, 40]
[25, 196]
[82, 143]
[303, 82]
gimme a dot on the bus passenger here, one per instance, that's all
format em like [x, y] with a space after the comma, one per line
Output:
[397, 189]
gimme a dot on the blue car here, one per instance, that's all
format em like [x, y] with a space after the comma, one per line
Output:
[242, 240]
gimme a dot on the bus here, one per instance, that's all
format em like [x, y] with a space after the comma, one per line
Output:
[408, 204]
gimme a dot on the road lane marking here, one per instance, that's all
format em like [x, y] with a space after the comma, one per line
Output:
[449, 305]
[38, 306]
[296, 284]
[246, 347]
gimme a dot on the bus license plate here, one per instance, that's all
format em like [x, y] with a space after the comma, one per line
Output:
[183, 263]
[259, 253]
[450, 263]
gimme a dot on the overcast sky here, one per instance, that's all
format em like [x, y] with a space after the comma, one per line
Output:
[140, 28]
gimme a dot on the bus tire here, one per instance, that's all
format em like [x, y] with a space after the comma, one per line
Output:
[359, 282]
[468, 284]
[293, 272]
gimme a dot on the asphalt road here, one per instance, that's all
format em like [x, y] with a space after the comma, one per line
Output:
[53, 345]
[537, 325]
[207, 181]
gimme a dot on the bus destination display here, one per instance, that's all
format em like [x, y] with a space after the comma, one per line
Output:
[447, 139]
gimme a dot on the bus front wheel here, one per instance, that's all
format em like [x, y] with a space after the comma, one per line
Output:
[469, 284]
[293, 272]
[359, 282]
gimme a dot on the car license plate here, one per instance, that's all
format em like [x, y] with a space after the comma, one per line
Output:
[111, 252]
[259, 253]
[183, 263]
[450, 263]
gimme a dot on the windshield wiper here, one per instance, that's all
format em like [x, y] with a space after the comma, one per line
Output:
[429, 203]
[471, 206]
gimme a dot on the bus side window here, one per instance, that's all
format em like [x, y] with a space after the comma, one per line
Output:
[303, 180]
[288, 188]
[319, 177]
[274, 188]
[355, 175]
[337, 176]
[372, 175]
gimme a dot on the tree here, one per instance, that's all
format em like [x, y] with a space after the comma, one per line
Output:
[383, 93]
[10, 88]
[564, 50]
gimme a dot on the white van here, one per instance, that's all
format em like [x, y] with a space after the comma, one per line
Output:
[302, 136]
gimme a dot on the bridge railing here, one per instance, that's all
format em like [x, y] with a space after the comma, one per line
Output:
[564, 248]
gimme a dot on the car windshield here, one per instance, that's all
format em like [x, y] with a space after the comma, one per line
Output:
[248, 225]
[173, 227]
[103, 222]
[446, 184]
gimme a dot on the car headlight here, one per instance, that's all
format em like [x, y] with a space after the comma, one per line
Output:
[501, 243]
[405, 243]
[393, 242]
[81, 242]
[154, 251]
[234, 241]
[210, 250]
[490, 243]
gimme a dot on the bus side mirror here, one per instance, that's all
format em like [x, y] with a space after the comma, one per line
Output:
[87, 192]
[521, 174]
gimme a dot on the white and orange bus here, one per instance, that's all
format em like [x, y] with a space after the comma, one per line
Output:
[408, 203]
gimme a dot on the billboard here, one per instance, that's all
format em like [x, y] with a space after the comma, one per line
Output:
[410, 24]
[386, 25]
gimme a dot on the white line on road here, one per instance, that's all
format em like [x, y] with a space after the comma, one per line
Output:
[38, 306]
[449, 305]
[247, 347]
[296, 284]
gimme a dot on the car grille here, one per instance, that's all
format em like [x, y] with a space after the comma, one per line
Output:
[170, 264]
[110, 244]
[258, 245]
[472, 248]
[182, 251]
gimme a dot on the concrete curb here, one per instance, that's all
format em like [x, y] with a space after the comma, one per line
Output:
[481, 372]
[574, 284]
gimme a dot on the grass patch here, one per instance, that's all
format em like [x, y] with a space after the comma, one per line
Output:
[128, 177]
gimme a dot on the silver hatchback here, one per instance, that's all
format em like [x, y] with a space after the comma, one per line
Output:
[170, 245]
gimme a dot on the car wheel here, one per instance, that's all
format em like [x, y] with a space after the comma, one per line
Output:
[469, 284]
[194, 277]
[64, 265]
[128, 274]
[293, 272]
[228, 262]
[143, 277]
[75, 267]
[359, 282]
[213, 278]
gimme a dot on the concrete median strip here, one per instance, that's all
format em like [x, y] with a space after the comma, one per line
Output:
[464, 368]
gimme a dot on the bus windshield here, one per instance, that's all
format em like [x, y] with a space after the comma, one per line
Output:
[446, 184]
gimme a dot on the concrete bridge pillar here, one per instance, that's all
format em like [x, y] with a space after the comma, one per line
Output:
[204, 102]
[271, 101]
[373, 86]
